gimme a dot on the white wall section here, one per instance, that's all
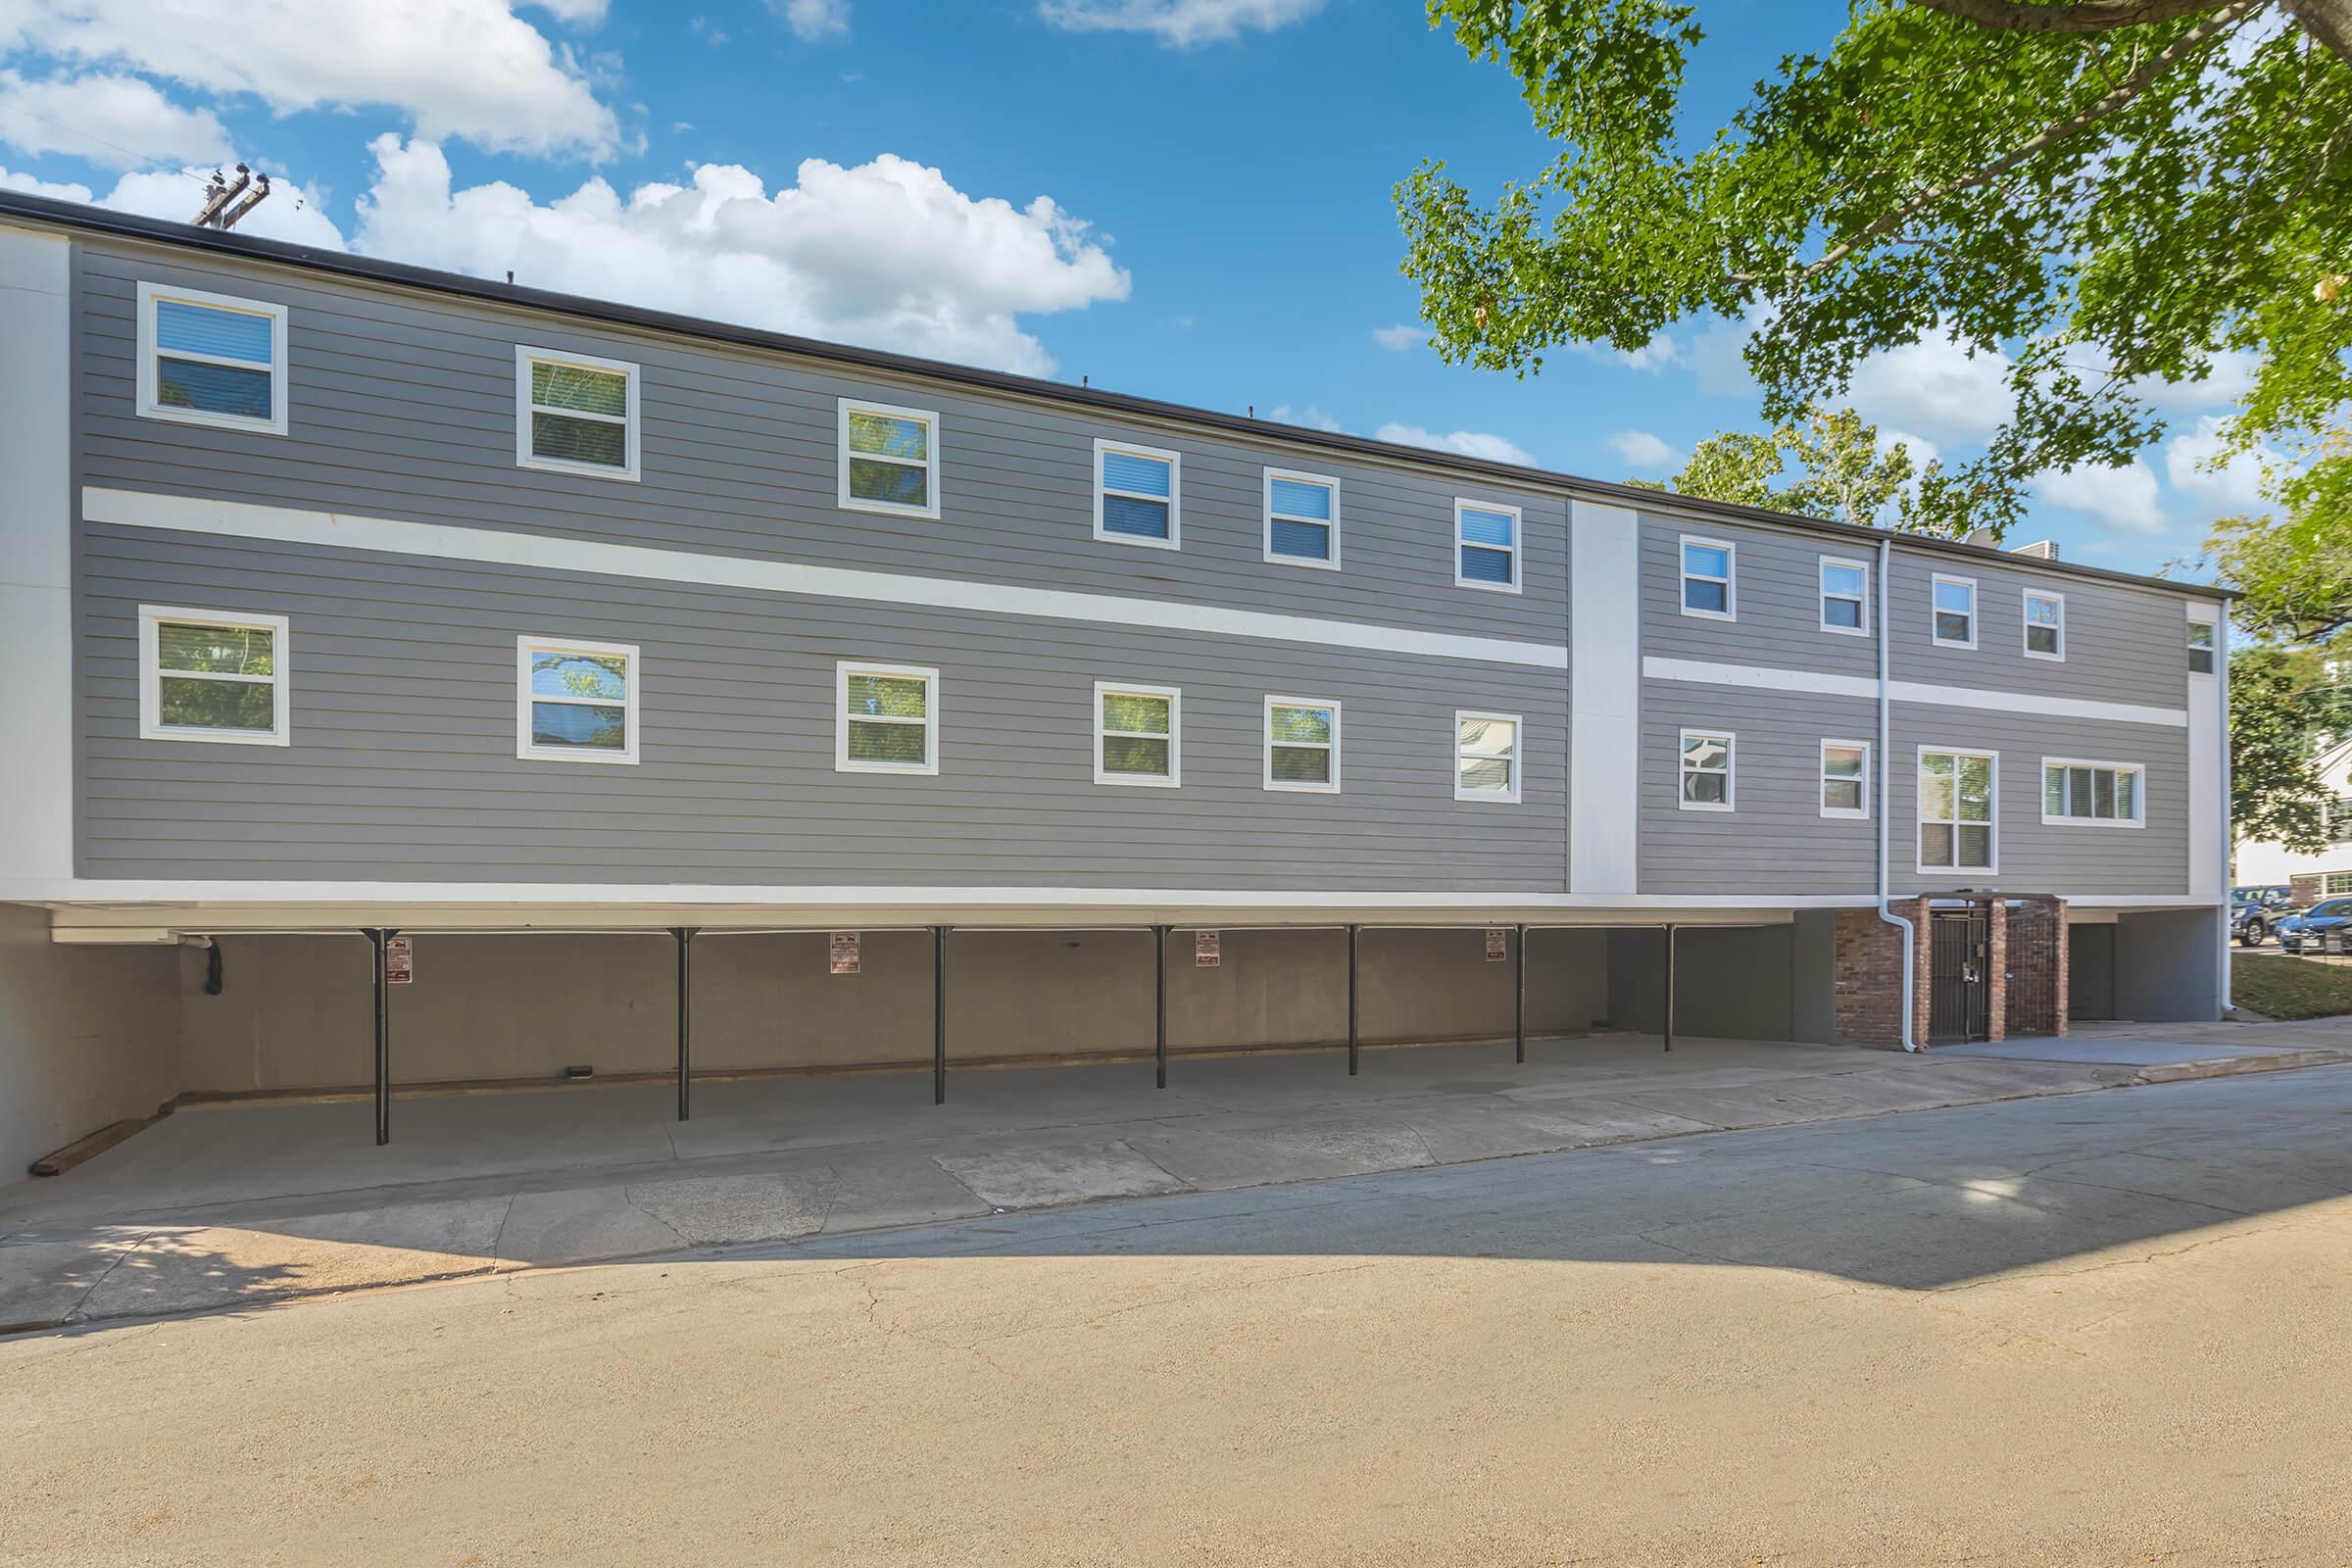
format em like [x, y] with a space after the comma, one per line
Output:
[36, 582]
[1604, 739]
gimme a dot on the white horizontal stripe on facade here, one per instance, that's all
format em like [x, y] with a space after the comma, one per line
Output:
[1758, 677]
[242, 519]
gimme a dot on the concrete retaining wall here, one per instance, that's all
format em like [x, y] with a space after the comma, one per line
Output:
[1732, 983]
[88, 1036]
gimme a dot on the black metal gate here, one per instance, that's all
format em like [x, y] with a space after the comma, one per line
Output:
[1960, 974]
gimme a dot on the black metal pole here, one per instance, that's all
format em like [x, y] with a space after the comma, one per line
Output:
[939, 1015]
[685, 938]
[1519, 985]
[1159, 966]
[1669, 1032]
[381, 940]
[1355, 1044]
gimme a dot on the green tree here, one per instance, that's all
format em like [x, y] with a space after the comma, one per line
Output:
[1827, 465]
[2101, 194]
[2294, 565]
[2276, 793]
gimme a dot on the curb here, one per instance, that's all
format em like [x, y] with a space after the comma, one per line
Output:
[2237, 1067]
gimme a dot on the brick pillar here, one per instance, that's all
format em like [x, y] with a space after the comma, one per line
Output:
[1916, 910]
[2065, 999]
[1996, 979]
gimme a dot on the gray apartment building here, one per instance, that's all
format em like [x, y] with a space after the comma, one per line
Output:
[401, 657]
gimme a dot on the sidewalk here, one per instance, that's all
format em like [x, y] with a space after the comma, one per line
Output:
[241, 1205]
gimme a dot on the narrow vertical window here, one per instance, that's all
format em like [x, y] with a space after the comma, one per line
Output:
[2200, 647]
[1846, 596]
[1955, 607]
[207, 675]
[887, 718]
[1707, 770]
[2045, 624]
[207, 359]
[575, 413]
[889, 458]
[1845, 778]
[576, 702]
[1486, 545]
[1486, 757]
[1137, 495]
[1707, 583]
[1302, 744]
[1956, 791]
[1135, 734]
[1302, 519]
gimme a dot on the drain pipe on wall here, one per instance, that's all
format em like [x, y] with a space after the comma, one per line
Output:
[1886, 800]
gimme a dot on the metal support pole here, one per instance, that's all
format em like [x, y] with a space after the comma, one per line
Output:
[383, 1039]
[1519, 986]
[939, 1015]
[685, 938]
[1355, 1044]
[1159, 966]
[1669, 1032]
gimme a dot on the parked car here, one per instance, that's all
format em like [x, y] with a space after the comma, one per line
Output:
[2256, 911]
[2325, 927]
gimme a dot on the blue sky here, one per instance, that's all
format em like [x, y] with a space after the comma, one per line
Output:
[1185, 198]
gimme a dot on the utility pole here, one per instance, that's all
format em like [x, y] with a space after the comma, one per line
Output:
[217, 212]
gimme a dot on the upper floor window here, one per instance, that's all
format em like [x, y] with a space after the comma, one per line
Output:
[2335, 882]
[1707, 588]
[1707, 770]
[1955, 612]
[1486, 545]
[1955, 810]
[1486, 761]
[1302, 744]
[1137, 495]
[209, 675]
[2339, 816]
[2110, 793]
[207, 359]
[1135, 734]
[1846, 596]
[577, 700]
[887, 718]
[2045, 624]
[575, 413]
[1302, 519]
[2200, 647]
[889, 458]
[1845, 778]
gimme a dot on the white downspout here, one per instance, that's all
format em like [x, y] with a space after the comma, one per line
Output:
[1886, 802]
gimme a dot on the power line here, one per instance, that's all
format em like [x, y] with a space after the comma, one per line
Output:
[153, 163]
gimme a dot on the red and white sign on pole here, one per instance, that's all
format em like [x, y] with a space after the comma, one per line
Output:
[1498, 944]
[400, 960]
[845, 958]
[1206, 954]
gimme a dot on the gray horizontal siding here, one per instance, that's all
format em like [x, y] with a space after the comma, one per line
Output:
[1778, 602]
[402, 765]
[403, 406]
[2122, 644]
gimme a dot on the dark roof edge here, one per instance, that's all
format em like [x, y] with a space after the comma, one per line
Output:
[98, 220]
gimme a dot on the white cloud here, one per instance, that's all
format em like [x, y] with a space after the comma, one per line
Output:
[1936, 388]
[289, 213]
[2124, 497]
[1718, 355]
[10, 181]
[578, 13]
[1178, 23]
[1313, 417]
[887, 254]
[1642, 451]
[812, 21]
[114, 121]
[1653, 355]
[2234, 486]
[1404, 335]
[2229, 381]
[1468, 443]
[1922, 451]
[459, 69]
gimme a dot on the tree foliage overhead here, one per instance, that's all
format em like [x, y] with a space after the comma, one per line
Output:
[2099, 192]
[2294, 567]
[2275, 714]
[1827, 465]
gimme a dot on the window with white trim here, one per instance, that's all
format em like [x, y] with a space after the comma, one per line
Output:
[575, 413]
[1955, 612]
[1137, 498]
[1845, 778]
[1302, 519]
[889, 458]
[886, 719]
[1486, 757]
[1486, 545]
[1846, 596]
[575, 701]
[2337, 815]
[1302, 744]
[1706, 768]
[209, 359]
[2335, 882]
[1136, 736]
[211, 675]
[2200, 647]
[2100, 793]
[1956, 797]
[1707, 579]
[2045, 624]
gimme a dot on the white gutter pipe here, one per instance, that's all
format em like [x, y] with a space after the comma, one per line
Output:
[1886, 800]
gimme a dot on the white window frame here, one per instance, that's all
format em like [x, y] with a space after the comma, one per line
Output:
[524, 458]
[2139, 794]
[1332, 526]
[1684, 576]
[1992, 807]
[842, 760]
[2335, 884]
[2025, 635]
[843, 407]
[150, 676]
[1730, 769]
[1509, 797]
[1265, 731]
[529, 750]
[1174, 498]
[150, 406]
[2213, 631]
[1821, 782]
[1976, 612]
[1517, 547]
[1821, 581]
[1175, 777]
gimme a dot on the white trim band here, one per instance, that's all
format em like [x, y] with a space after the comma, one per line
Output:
[1758, 677]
